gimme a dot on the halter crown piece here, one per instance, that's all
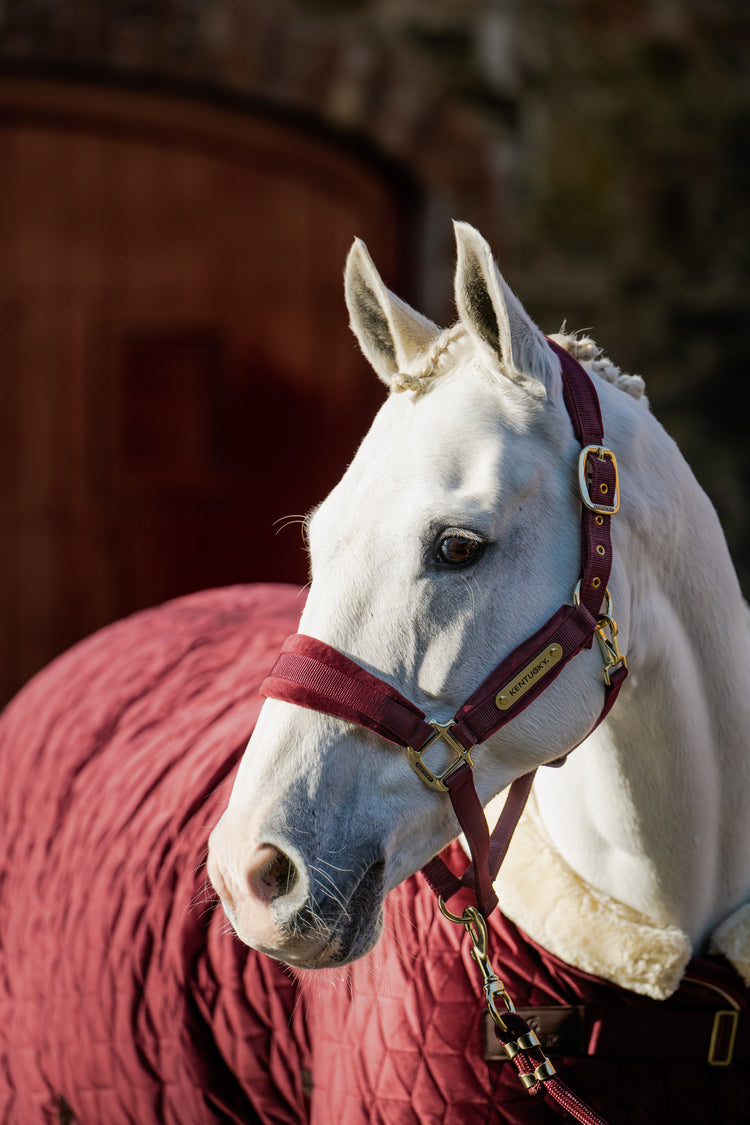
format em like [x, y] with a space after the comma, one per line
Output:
[312, 674]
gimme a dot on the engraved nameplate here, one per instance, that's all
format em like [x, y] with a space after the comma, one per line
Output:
[528, 677]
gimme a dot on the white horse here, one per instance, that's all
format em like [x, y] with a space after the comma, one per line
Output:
[452, 536]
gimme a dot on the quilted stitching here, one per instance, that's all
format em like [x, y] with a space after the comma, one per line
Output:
[124, 996]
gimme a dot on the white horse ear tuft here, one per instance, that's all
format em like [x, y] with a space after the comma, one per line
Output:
[497, 320]
[391, 333]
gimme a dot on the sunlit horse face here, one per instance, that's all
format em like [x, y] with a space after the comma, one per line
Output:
[453, 535]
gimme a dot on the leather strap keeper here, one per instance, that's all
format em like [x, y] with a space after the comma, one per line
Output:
[714, 1037]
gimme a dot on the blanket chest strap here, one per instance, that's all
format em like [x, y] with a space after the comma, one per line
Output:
[715, 1037]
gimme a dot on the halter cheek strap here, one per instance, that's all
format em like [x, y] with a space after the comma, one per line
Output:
[312, 674]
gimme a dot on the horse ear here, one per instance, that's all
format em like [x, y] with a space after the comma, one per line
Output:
[390, 332]
[498, 321]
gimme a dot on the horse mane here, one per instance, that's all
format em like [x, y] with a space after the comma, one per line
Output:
[592, 357]
[453, 341]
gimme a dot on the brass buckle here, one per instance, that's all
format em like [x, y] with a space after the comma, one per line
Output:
[595, 505]
[437, 781]
[726, 1058]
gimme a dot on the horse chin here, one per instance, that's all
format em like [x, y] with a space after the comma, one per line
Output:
[306, 948]
[351, 935]
[346, 944]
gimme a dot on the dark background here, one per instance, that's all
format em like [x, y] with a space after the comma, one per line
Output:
[180, 181]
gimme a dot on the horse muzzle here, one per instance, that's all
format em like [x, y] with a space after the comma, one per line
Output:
[307, 913]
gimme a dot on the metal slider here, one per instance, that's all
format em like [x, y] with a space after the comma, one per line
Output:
[543, 1072]
[523, 1043]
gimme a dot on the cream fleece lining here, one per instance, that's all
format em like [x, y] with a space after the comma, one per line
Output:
[587, 929]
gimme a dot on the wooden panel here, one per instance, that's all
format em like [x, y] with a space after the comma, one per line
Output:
[178, 370]
[167, 417]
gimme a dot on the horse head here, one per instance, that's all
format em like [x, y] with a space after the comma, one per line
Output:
[452, 536]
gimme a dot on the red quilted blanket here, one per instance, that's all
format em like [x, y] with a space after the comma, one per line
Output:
[125, 998]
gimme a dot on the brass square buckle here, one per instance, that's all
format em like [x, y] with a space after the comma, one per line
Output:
[597, 506]
[437, 780]
[728, 1033]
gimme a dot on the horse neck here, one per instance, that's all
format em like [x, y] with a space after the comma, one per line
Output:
[654, 808]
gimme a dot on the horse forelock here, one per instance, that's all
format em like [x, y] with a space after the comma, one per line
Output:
[453, 345]
[446, 347]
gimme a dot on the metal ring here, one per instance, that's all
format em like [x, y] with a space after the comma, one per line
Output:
[606, 599]
[446, 912]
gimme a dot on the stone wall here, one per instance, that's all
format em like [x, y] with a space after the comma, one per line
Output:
[601, 147]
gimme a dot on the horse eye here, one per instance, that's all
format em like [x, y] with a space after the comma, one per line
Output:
[459, 550]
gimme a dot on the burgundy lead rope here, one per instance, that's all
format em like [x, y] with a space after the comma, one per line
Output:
[312, 674]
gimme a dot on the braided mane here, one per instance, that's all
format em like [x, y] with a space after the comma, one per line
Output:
[592, 357]
[455, 340]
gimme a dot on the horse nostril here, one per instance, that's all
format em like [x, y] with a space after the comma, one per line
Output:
[272, 874]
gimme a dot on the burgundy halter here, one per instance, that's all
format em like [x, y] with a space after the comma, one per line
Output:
[312, 674]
